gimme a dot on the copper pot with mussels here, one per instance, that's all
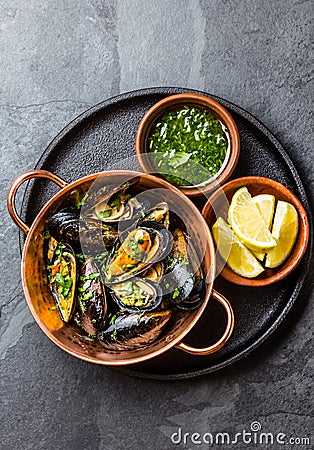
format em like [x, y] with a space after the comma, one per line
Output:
[118, 267]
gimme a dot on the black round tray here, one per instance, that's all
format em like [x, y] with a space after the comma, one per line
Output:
[103, 138]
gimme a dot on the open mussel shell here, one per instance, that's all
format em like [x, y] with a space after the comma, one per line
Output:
[155, 272]
[91, 297]
[159, 213]
[64, 226]
[62, 275]
[133, 331]
[134, 252]
[166, 235]
[68, 227]
[111, 204]
[137, 294]
[95, 235]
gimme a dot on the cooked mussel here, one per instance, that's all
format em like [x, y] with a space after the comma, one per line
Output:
[61, 268]
[155, 272]
[165, 237]
[91, 297]
[195, 299]
[95, 235]
[135, 330]
[159, 213]
[68, 227]
[64, 226]
[111, 204]
[137, 294]
[135, 252]
[185, 277]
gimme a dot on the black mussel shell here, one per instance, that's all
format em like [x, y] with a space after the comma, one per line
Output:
[134, 265]
[137, 294]
[130, 220]
[121, 207]
[151, 224]
[62, 276]
[196, 297]
[64, 226]
[94, 236]
[185, 276]
[98, 196]
[159, 213]
[155, 272]
[181, 280]
[133, 331]
[91, 297]
[167, 238]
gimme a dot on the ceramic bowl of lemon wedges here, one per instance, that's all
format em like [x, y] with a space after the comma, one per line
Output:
[260, 229]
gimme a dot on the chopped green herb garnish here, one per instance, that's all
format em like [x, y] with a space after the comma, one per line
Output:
[128, 267]
[188, 146]
[115, 203]
[87, 296]
[114, 334]
[82, 201]
[184, 262]
[92, 336]
[140, 317]
[53, 308]
[92, 276]
[171, 261]
[104, 214]
[113, 319]
[81, 257]
[176, 293]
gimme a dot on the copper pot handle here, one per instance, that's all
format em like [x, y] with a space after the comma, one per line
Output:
[228, 331]
[17, 183]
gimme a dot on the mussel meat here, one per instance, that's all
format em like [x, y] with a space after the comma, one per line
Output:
[140, 249]
[133, 331]
[159, 213]
[137, 294]
[155, 272]
[91, 298]
[110, 204]
[61, 268]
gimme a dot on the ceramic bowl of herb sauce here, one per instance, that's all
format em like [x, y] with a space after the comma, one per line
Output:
[189, 140]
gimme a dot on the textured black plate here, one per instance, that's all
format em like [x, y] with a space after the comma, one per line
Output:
[101, 139]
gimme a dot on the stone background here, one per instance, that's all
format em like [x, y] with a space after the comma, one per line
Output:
[57, 59]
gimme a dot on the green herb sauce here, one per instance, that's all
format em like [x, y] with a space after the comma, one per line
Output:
[188, 146]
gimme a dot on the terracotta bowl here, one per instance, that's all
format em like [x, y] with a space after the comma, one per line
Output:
[174, 102]
[217, 205]
[39, 298]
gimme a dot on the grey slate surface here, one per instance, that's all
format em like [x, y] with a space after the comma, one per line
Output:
[57, 59]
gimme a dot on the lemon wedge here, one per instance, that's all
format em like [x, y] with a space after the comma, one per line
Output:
[248, 223]
[285, 230]
[231, 249]
[266, 205]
